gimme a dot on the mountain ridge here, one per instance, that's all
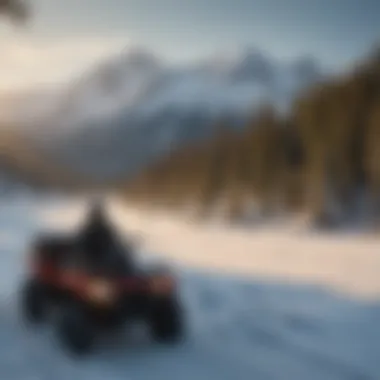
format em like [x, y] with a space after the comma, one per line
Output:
[135, 106]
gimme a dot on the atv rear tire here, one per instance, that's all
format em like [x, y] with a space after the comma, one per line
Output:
[34, 303]
[166, 320]
[74, 330]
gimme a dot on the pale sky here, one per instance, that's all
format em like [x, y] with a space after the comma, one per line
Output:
[67, 36]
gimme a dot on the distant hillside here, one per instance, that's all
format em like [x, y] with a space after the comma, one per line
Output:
[23, 165]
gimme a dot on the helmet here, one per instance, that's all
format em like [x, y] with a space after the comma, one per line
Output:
[97, 211]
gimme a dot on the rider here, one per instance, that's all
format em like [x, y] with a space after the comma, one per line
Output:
[97, 234]
[99, 241]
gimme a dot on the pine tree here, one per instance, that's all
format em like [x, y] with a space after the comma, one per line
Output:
[17, 10]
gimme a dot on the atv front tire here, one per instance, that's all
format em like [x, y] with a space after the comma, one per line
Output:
[74, 329]
[34, 303]
[167, 321]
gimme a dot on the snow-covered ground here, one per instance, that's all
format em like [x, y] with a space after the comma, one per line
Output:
[271, 303]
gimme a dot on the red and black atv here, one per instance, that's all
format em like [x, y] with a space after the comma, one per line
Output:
[85, 302]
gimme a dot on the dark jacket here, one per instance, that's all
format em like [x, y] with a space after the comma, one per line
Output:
[102, 248]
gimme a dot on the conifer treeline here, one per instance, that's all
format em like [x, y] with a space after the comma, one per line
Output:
[326, 149]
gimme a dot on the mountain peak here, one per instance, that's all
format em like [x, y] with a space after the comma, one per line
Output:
[253, 65]
[307, 68]
[137, 56]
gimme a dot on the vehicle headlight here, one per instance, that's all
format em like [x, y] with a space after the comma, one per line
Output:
[162, 284]
[101, 290]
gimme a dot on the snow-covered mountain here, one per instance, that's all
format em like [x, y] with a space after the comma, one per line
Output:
[135, 106]
[138, 80]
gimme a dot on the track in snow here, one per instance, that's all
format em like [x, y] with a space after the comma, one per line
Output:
[239, 330]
